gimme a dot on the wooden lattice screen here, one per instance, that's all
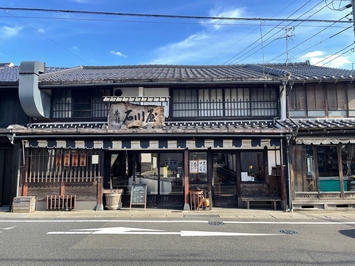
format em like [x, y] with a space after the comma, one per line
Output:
[62, 165]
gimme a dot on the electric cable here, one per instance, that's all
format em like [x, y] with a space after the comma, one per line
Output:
[249, 33]
[327, 57]
[48, 38]
[281, 30]
[311, 37]
[257, 41]
[160, 15]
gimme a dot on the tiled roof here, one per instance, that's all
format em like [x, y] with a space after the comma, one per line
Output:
[299, 72]
[9, 73]
[319, 124]
[306, 71]
[226, 126]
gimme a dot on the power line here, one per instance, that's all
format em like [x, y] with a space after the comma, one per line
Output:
[153, 22]
[163, 15]
[335, 54]
[245, 57]
[250, 33]
[311, 37]
[47, 38]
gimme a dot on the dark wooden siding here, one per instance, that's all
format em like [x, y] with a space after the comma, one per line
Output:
[11, 111]
[83, 191]
[5, 176]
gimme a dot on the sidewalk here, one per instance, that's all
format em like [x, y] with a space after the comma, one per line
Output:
[216, 213]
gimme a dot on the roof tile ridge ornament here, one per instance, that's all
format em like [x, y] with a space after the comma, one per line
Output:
[59, 72]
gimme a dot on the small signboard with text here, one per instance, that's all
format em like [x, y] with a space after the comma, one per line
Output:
[139, 195]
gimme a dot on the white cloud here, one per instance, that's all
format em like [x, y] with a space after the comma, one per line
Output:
[203, 44]
[75, 48]
[8, 32]
[319, 58]
[218, 23]
[313, 54]
[117, 54]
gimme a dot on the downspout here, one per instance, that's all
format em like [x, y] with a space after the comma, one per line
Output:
[35, 103]
[288, 140]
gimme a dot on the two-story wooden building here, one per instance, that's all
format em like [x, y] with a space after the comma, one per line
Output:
[223, 129]
[321, 112]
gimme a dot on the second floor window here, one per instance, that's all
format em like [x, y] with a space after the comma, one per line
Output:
[79, 104]
[322, 100]
[225, 102]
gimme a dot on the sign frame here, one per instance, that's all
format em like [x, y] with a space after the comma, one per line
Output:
[138, 195]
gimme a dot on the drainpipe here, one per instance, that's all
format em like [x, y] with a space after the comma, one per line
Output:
[283, 104]
[35, 103]
[288, 140]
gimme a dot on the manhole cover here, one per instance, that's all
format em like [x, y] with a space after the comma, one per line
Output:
[216, 223]
[288, 232]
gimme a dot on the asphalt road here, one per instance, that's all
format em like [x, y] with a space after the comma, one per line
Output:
[143, 241]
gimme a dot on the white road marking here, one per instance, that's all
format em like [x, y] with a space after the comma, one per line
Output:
[205, 233]
[173, 221]
[142, 231]
[8, 228]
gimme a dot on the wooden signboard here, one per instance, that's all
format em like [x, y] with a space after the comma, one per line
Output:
[138, 195]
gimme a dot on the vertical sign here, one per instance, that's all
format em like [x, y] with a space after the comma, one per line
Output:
[66, 159]
[202, 166]
[193, 166]
[82, 159]
[74, 159]
[58, 160]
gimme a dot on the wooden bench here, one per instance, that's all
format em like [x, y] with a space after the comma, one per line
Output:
[273, 200]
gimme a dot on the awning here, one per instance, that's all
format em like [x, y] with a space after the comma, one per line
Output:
[325, 141]
[178, 144]
[139, 99]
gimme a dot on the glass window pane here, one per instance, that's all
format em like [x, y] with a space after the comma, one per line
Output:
[82, 104]
[328, 168]
[252, 166]
[171, 175]
[224, 173]
[197, 167]
[348, 158]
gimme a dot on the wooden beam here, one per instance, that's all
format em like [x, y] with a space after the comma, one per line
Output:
[340, 169]
[186, 179]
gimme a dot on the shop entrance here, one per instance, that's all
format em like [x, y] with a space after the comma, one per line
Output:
[227, 175]
[161, 172]
[215, 172]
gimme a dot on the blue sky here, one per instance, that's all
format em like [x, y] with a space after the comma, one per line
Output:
[68, 40]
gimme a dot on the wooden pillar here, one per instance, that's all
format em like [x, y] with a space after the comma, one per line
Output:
[238, 168]
[340, 169]
[99, 194]
[316, 170]
[283, 183]
[100, 181]
[186, 180]
[24, 189]
[62, 189]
